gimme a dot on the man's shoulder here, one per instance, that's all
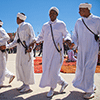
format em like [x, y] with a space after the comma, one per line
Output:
[79, 19]
[26, 24]
[60, 22]
[2, 29]
[46, 23]
[95, 17]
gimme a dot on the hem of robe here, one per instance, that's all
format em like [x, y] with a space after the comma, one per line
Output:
[46, 86]
[83, 89]
[30, 83]
[1, 83]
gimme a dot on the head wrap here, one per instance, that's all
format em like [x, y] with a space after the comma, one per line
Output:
[55, 9]
[1, 23]
[85, 5]
[21, 16]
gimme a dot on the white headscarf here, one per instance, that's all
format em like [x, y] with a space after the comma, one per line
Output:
[1, 23]
[21, 16]
[55, 9]
[85, 5]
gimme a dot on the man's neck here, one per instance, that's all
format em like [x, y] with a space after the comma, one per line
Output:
[20, 23]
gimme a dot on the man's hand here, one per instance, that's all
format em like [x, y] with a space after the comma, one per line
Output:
[32, 44]
[29, 49]
[2, 47]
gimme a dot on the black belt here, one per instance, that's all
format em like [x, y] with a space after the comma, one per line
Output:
[3, 50]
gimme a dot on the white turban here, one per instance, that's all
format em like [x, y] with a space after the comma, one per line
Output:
[1, 23]
[21, 16]
[85, 5]
[55, 9]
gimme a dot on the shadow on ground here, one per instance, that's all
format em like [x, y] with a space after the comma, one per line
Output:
[10, 95]
[75, 95]
[13, 94]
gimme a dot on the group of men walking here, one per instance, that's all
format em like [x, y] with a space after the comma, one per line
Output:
[52, 34]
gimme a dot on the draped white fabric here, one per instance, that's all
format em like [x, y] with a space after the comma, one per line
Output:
[51, 57]
[24, 68]
[1, 23]
[87, 52]
[3, 40]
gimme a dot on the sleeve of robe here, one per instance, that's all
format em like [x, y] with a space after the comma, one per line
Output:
[30, 30]
[98, 28]
[14, 43]
[4, 37]
[65, 32]
[75, 35]
[31, 33]
[40, 37]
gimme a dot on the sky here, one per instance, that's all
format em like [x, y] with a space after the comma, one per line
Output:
[37, 12]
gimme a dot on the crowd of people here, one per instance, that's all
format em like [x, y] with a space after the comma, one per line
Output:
[54, 35]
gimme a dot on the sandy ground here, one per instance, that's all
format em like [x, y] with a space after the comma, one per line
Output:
[9, 92]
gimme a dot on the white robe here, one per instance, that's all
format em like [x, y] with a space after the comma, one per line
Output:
[4, 37]
[87, 52]
[24, 69]
[51, 57]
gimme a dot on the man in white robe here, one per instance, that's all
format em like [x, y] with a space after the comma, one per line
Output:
[24, 60]
[71, 56]
[4, 37]
[87, 50]
[52, 59]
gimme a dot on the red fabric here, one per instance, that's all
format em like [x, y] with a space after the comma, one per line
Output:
[38, 65]
[67, 67]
